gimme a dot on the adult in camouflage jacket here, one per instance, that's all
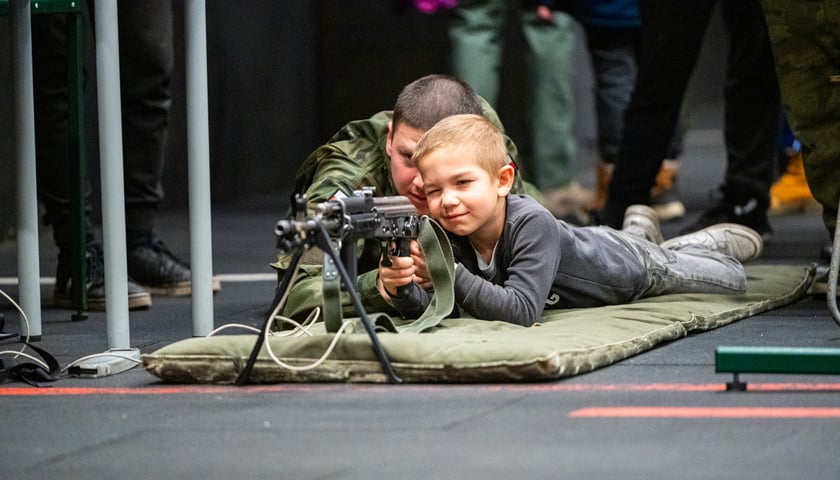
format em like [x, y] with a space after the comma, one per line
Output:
[805, 36]
[376, 152]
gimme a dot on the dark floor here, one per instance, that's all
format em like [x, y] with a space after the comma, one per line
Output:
[125, 425]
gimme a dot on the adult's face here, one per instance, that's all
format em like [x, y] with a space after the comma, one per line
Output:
[401, 143]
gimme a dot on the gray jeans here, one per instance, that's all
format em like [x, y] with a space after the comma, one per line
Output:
[691, 268]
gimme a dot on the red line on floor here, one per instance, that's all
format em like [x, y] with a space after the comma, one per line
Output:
[10, 391]
[705, 412]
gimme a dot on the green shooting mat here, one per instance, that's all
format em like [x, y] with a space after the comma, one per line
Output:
[458, 350]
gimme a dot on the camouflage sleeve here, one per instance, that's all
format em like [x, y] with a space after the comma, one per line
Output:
[338, 173]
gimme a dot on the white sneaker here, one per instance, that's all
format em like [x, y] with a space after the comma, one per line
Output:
[738, 241]
[642, 221]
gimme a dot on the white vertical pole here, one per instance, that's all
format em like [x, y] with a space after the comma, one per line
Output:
[198, 147]
[111, 170]
[29, 288]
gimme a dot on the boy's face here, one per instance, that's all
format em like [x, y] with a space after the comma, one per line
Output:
[462, 196]
[400, 145]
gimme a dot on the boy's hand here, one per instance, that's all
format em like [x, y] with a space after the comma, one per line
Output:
[400, 273]
[422, 276]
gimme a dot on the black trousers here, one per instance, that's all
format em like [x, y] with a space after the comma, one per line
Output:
[671, 39]
[146, 64]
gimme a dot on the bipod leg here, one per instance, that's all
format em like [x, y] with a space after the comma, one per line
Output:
[323, 241]
[285, 284]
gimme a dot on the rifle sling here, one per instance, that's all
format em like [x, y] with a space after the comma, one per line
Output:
[441, 264]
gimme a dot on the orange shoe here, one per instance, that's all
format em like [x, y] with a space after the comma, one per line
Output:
[791, 194]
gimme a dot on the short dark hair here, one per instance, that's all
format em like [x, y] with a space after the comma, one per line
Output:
[427, 100]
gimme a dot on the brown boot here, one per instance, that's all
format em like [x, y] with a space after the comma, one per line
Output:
[663, 194]
[604, 173]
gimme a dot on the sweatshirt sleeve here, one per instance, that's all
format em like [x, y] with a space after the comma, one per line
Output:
[526, 267]
[413, 302]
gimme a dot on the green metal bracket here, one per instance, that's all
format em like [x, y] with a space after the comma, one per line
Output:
[76, 146]
[782, 360]
[48, 6]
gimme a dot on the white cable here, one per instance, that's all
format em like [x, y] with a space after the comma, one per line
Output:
[17, 353]
[233, 325]
[21, 354]
[314, 364]
[95, 355]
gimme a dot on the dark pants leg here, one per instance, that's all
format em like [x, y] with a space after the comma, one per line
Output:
[146, 63]
[753, 109]
[671, 38]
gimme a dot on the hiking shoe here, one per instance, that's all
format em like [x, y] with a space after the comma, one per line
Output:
[751, 213]
[642, 221]
[603, 176]
[737, 241]
[663, 194]
[158, 270]
[62, 295]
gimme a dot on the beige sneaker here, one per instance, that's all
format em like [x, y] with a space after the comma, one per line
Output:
[642, 221]
[738, 241]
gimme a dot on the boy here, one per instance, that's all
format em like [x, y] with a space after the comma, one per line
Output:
[513, 258]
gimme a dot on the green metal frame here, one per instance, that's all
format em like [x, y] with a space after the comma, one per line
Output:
[789, 360]
[76, 145]
[782, 360]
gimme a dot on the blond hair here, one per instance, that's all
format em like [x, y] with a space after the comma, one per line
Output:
[468, 133]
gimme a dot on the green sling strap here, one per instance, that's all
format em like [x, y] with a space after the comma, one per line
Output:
[441, 264]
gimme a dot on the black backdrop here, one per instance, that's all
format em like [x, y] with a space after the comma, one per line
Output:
[283, 76]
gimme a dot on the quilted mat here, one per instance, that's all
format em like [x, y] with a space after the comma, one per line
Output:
[565, 343]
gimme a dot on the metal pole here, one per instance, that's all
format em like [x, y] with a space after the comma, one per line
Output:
[111, 168]
[198, 147]
[29, 270]
[833, 267]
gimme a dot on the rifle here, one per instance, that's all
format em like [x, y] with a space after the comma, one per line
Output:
[392, 220]
[335, 227]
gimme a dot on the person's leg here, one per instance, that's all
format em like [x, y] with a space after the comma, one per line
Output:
[146, 65]
[671, 37]
[689, 268]
[807, 63]
[751, 123]
[50, 76]
[50, 80]
[551, 145]
[613, 53]
[549, 102]
[476, 43]
[692, 269]
[613, 56]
